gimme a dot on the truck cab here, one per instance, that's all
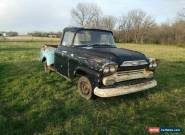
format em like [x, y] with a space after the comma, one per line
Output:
[103, 69]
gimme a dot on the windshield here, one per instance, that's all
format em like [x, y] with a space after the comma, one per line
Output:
[93, 37]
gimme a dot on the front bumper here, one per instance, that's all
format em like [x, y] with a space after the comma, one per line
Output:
[122, 90]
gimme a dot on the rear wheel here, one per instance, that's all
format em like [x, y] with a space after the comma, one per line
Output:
[85, 87]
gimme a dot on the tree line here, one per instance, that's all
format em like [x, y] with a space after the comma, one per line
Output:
[134, 27]
[46, 34]
[10, 33]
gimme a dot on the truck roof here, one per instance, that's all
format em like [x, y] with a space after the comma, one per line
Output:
[76, 29]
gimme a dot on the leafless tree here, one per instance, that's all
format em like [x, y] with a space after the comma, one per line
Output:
[108, 22]
[136, 24]
[125, 28]
[181, 14]
[86, 14]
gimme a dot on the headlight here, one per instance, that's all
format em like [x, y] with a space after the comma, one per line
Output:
[153, 63]
[110, 68]
[106, 70]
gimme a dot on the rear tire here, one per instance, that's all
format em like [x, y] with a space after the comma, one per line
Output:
[85, 87]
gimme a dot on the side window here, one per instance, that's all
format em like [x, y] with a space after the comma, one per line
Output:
[67, 39]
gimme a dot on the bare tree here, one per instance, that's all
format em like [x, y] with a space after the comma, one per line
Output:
[86, 14]
[147, 25]
[136, 24]
[79, 14]
[125, 29]
[108, 22]
[181, 14]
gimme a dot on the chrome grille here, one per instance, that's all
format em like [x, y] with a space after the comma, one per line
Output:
[127, 75]
[121, 73]
[134, 63]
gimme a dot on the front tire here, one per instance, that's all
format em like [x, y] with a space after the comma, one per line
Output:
[85, 87]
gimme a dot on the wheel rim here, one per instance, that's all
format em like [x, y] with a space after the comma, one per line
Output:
[85, 88]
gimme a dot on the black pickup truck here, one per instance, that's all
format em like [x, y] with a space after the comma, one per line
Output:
[103, 69]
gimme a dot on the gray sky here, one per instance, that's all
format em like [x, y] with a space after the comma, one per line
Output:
[53, 15]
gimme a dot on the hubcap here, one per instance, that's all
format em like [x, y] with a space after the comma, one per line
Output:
[85, 89]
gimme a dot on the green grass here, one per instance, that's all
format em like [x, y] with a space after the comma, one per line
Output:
[34, 102]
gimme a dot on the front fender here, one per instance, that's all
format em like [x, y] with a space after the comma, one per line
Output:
[95, 76]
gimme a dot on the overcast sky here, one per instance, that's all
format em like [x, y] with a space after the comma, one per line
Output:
[53, 15]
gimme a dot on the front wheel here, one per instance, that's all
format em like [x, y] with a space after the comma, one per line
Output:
[85, 87]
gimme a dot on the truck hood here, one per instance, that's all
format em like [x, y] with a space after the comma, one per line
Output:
[117, 55]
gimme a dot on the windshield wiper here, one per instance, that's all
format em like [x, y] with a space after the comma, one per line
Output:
[96, 45]
[81, 45]
[100, 45]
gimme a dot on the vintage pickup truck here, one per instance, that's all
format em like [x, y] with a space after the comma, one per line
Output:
[102, 69]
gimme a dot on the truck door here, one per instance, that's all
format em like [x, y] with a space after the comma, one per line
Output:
[62, 54]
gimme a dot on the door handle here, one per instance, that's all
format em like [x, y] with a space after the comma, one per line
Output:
[72, 55]
[64, 51]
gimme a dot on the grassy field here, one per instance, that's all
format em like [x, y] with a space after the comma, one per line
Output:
[34, 102]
